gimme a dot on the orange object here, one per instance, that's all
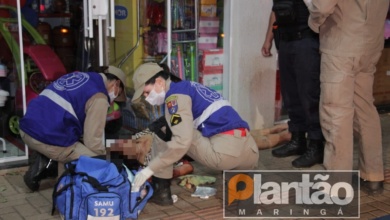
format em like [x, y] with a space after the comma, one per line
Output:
[231, 132]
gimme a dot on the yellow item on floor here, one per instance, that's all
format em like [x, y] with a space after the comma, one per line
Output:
[195, 180]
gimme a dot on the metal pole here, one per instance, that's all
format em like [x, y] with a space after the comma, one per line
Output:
[101, 36]
[169, 32]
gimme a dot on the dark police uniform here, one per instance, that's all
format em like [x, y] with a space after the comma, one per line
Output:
[299, 65]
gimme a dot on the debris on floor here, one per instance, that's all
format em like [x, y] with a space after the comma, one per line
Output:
[189, 181]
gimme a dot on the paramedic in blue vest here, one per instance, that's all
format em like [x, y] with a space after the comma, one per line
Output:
[299, 65]
[68, 118]
[204, 126]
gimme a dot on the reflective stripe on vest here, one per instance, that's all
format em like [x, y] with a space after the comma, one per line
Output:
[59, 101]
[213, 107]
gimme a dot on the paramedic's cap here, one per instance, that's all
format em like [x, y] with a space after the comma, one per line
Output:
[142, 74]
[122, 77]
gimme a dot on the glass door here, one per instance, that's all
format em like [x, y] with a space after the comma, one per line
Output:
[16, 34]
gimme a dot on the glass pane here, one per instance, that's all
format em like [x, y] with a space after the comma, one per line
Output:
[13, 150]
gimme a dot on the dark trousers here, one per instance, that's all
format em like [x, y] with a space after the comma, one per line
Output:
[299, 65]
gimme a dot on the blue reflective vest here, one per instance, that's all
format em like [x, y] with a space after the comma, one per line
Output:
[211, 112]
[57, 115]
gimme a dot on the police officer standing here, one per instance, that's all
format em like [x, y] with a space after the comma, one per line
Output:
[204, 126]
[352, 40]
[299, 65]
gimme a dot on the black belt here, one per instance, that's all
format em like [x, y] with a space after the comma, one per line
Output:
[298, 35]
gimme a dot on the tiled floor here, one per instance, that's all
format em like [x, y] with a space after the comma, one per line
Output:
[16, 202]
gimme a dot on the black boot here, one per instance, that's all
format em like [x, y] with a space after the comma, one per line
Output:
[296, 146]
[372, 188]
[162, 191]
[41, 168]
[313, 155]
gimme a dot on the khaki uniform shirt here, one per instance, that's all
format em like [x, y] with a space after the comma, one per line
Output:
[95, 121]
[182, 134]
[349, 27]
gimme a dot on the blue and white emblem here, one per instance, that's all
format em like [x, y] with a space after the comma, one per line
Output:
[71, 81]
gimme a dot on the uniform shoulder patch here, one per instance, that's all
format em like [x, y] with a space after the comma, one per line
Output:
[175, 119]
[172, 105]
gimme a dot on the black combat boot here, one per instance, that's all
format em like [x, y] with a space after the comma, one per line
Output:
[296, 146]
[313, 155]
[41, 168]
[162, 191]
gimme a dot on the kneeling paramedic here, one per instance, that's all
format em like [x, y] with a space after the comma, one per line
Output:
[67, 119]
[204, 126]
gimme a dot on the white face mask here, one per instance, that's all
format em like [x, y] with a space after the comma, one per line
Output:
[155, 98]
[112, 95]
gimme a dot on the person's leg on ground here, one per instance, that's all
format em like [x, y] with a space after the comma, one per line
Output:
[224, 152]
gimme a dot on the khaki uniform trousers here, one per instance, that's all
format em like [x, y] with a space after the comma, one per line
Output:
[60, 154]
[347, 109]
[219, 152]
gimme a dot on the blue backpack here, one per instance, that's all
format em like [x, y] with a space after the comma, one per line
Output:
[93, 188]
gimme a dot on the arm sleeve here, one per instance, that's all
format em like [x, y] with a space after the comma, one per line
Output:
[181, 125]
[319, 11]
[95, 121]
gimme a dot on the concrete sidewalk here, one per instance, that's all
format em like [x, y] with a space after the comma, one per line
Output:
[17, 202]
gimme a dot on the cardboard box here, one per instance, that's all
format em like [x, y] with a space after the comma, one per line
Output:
[212, 79]
[211, 59]
[208, 10]
[381, 89]
[207, 41]
[208, 25]
[208, 2]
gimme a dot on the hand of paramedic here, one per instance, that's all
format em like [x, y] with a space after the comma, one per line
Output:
[141, 177]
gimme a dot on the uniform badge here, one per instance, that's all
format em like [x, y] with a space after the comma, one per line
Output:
[172, 106]
[175, 119]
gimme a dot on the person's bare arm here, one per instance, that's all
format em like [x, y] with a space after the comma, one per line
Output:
[267, 45]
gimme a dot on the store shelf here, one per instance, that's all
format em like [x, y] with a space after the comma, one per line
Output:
[184, 30]
[184, 41]
[183, 59]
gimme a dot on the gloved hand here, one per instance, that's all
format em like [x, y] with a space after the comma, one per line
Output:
[141, 177]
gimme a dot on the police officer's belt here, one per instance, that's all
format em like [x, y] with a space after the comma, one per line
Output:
[298, 35]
